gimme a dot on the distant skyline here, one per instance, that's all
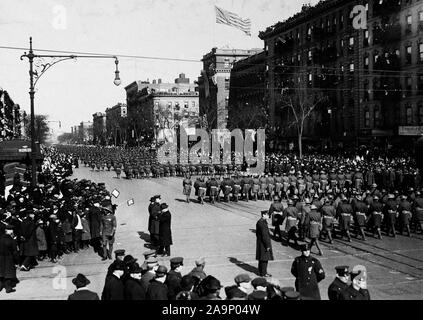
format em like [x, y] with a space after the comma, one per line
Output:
[71, 92]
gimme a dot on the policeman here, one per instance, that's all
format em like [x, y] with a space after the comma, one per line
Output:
[174, 277]
[308, 272]
[340, 283]
[358, 288]
[315, 219]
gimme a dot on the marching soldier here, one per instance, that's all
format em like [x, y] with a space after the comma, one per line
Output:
[187, 185]
[237, 188]
[375, 210]
[360, 216]
[418, 212]
[202, 188]
[213, 189]
[291, 216]
[391, 213]
[404, 210]
[315, 219]
[343, 213]
[339, 284]
[308, 272]
[328, 213]
[275, 211]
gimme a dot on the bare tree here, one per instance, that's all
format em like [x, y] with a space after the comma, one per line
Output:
[301, 103]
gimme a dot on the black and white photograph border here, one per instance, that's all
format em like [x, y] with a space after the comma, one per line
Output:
[211, 150]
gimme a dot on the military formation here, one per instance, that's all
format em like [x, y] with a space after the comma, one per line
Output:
[58, 216]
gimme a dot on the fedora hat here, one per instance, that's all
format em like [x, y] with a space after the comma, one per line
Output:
[80, 281]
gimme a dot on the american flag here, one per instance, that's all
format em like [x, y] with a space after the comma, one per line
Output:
[232, 19]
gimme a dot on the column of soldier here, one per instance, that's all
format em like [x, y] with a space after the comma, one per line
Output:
[59, 216]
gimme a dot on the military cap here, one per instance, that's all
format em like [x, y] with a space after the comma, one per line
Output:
[403, 197]
[375, 197]
[391, 196]
[164, 206]
[342, 270]
[257, 295]
[120, 252]
[200, 261]
[304, 247]
[161, 270]
[292, 295]
[177, 261]
[149, 253]
[374, 185]
[152, 199]
[243, 277]
[259, 282]
[290, 202]
[313, 207]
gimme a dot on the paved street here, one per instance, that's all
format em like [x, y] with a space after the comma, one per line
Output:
[224, 235]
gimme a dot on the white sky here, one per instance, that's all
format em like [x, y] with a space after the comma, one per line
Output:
[72, 91]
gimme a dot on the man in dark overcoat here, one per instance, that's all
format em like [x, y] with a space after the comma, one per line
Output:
[82, 293]
[165, 232]
[133, 288]
[174, 277]
[9, 259]
[157, 289]
[308, 272]
[113, 287]
[95, 227]
[264, 251]
[154, 223]
[29, 242]
[340, 283]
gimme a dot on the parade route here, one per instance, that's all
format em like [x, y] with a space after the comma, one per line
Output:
[224, 234]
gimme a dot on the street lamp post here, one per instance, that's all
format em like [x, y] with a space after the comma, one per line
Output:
[37, 75]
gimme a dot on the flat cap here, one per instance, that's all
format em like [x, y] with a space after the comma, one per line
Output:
[243, 277]
[342, 270]
[259, 282]
[177, 261]
[151, 260]
[120, 252]
[292, 295]
[257, 295]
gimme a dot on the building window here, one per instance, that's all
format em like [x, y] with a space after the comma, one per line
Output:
[186, 104]
[341, 21]
[421, 114]
[226, 62]
[408, 114]
[408, 86]
[367, 119]
[366, 90]
[366, 38]
[420, 16]
[169, 104]
[227, 83]
[421, 52]
[377, 117]
[409, 20]
[351, 67]
[366, 62]
[420, 84]
[408, 51]
[351, 41]
[226, 102]
[193, 105]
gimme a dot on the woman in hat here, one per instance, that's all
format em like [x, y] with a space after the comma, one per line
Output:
[41, 240]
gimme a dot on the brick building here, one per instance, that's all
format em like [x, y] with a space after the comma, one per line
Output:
[99, 128]
[372, 79]
[10, 117]
[155, 108]
[214, 84]
[117, 125]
